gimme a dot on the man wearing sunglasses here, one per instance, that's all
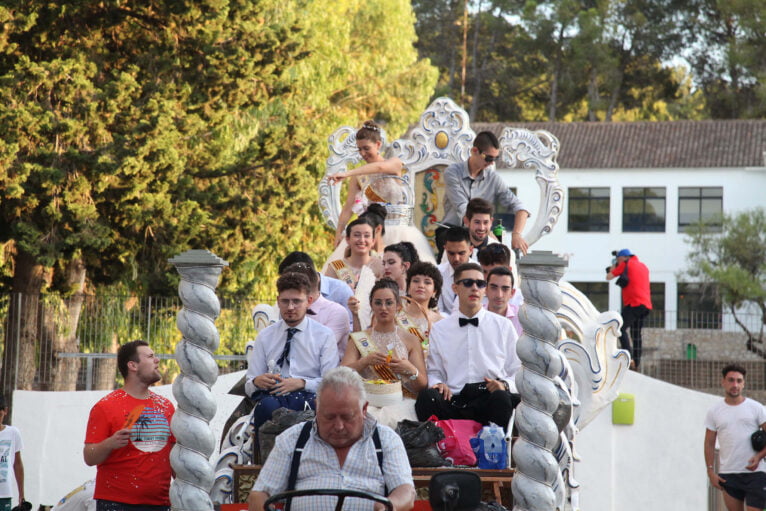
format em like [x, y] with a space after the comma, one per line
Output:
[476, 178]
[471, 359]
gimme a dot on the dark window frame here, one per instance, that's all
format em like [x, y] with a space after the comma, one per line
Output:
[593, 222]
[645, 221]
[714, 223]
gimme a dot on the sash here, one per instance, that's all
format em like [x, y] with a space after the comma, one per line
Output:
[344, 272]
[366, 347]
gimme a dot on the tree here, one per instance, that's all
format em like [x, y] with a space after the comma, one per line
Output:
[733, 262]
[724, 45]
[133, 132]
[560, 60]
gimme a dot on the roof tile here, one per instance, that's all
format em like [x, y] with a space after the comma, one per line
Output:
[671, 144]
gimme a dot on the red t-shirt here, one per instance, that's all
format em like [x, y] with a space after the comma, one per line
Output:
[637, 292]
[138, 473]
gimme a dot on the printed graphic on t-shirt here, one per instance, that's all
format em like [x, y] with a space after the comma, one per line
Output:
[150, 433]
[5, 453]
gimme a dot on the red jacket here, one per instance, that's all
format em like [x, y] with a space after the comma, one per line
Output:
[637, 291]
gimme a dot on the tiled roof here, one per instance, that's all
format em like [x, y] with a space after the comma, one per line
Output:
[672, 144]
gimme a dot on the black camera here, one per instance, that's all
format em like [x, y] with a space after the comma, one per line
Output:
[614, 261]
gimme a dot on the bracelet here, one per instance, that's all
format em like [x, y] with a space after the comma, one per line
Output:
[415, 375]
[710, 466]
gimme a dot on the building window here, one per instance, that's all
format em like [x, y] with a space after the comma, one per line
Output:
[589, 210]
[698, 307]
[700, 204]
[597, 293]
[656, 318]
[643, 209]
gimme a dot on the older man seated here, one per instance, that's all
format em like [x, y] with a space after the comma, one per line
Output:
[343, 449]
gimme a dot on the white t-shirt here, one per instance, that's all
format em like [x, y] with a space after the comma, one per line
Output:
[734, 424]
[10, 444]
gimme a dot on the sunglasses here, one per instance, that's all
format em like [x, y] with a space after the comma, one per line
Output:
[490, 159]
[481, 284]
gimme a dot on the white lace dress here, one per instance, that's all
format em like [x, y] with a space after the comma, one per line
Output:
[390, 415]
[394, 195]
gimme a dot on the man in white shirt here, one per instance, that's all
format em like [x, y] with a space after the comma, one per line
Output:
[328, 313]
[289, 357]
[742, 472]
[478, 220]
[344, 448]
[471, 359]
[457, 248]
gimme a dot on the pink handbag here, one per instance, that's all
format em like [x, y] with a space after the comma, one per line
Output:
[456, 446]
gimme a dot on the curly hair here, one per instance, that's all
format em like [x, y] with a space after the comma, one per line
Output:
[297, 281]
[427, 270]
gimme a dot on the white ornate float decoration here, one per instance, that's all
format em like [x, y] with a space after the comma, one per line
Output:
[443, 136]
[588, 366]
[194, 475]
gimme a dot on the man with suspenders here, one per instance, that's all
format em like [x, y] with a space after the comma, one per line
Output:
[343, 449]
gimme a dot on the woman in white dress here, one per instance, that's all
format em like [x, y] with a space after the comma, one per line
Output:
[386, 350]
[424, 286]
[379, 181]
[359, 269]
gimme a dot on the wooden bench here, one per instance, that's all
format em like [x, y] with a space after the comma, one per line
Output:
[493, 480]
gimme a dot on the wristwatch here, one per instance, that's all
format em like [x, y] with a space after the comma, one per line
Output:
[415, 375]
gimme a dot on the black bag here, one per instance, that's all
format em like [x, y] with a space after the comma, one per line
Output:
[419, 434]
[419, 439]
[758, 439]
[622, 280]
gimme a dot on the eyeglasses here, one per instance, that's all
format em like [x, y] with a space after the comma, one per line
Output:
[490, 159]
[481, 284]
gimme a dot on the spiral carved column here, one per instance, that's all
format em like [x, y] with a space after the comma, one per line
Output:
[199, 270]
[546, 405]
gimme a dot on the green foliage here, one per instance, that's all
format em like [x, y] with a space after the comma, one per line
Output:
[733, 261]
[133, 132]
[725, 43]
[570, 60]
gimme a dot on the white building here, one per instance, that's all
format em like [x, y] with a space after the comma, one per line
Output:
[636, 185]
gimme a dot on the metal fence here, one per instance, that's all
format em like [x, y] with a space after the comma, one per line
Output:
[44, 348]
[52, 343]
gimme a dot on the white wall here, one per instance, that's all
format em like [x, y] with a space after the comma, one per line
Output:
[656, 463]
[663, 252]
[52, 426]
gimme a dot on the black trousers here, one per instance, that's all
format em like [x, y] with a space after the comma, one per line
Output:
[483, 407]
[632, 323]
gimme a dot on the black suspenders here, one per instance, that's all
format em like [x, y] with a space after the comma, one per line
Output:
[301, 443]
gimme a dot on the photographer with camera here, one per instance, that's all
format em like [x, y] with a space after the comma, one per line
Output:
[633, 277]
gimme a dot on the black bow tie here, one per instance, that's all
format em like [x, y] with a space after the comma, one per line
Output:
[467, 321]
